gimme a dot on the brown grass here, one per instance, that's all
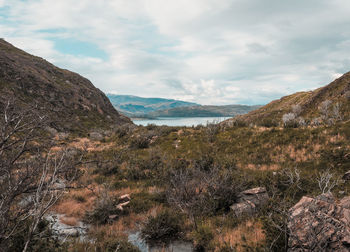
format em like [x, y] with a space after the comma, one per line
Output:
[270, 167]
[70, 221]
[71, 207]
[249, 233]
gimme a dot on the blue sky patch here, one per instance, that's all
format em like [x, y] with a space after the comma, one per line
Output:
[79, 48]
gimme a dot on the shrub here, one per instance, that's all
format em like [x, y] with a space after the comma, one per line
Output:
[289, 120]
[203, 192]
[79, 198]
[211, 130]
[123, 130]
[102, 243]
[202, 238]
[105, 206]
[139, 142]
[143, 201]
[164, 227]
[112, 245]
[268, 123]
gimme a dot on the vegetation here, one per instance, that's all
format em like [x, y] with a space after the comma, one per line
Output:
[170, 183]
[164, 227]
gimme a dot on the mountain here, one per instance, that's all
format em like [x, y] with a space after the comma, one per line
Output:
[204, 111]
[135, 106]
[70, 100]
[336, 93]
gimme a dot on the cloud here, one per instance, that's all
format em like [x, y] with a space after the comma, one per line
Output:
[235, 51]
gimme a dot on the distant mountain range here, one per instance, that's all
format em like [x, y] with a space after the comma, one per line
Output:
[134, 106]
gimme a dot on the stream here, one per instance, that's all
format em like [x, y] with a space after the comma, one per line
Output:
[176, 246]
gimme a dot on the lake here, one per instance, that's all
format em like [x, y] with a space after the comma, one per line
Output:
[179, 121]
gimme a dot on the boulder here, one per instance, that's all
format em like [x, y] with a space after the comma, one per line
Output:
[123, 201]
[346, 176]
[319, 224]
[96, 136]
[249, 201]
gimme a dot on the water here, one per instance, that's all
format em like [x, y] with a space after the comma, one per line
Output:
[180, 121]
[176, 246]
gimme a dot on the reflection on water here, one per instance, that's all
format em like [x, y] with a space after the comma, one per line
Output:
[180, 121]
[177, 246]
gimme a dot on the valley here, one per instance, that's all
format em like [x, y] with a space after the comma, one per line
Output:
[247, 183]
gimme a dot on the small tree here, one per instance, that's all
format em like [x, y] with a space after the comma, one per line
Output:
[289, 120]
[326, 181]
[197, 192]
[32, 178]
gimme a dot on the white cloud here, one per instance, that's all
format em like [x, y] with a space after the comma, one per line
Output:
[235, 51]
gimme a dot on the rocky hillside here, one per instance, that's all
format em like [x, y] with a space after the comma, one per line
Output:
[70, 100]
[309, 103]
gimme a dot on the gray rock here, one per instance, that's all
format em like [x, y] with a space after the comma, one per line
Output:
[319, 224]
[62, 231]
[346, 176]
[96, 136]
[249, 201]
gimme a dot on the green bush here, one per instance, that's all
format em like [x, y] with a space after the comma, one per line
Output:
[102, 244]
[143, 201]
[164, 227]
[42, 240]
[113, 245]
[105, 206]
[202, 238]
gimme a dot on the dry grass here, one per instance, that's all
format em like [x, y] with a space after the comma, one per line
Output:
[249, 233]
[89, 145]
[270, 167]
[71, 206]
[70, 221]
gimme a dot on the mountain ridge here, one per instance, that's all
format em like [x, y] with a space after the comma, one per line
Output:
[71, 101]
[136, 106]
[132, 105]
[336, 92]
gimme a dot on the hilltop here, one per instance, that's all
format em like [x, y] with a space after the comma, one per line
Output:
[70, 100]
[309, 103]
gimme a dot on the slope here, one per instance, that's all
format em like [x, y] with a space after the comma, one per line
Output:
[70, 100]
[337, 92]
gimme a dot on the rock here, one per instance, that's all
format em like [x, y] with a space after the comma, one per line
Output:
[113, 217]
[243, 208]
[346, 176]
[62, 230]
[96, 136]
[124, 198]
[345, 202]
[123, 201]
[257, 195]
[249, 201]
[122, 205]
[319, 224]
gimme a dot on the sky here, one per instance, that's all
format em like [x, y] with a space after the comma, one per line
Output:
[205, 51]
